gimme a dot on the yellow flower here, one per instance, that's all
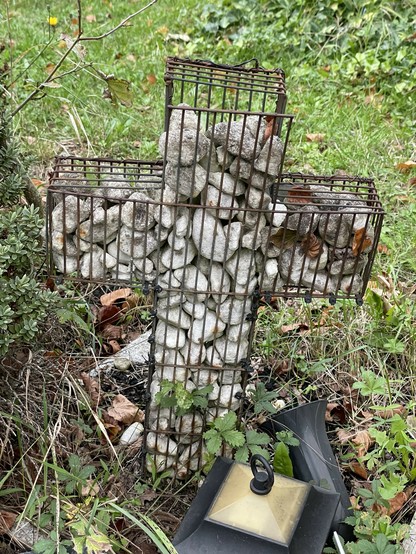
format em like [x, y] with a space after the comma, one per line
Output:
[53, 21]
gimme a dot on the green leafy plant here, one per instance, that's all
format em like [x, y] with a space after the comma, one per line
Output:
[174, 394]
[224, 432]
[262, 399]
[281, 460]
[370, 383]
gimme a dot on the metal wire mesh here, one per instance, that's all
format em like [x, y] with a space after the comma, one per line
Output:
[213, 229]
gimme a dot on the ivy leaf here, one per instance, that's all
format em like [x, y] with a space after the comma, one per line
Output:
[281, 462]
[119, 91]
[234, 438]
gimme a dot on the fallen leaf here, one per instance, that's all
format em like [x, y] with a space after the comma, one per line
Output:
[92, 387]
[131, 57]
[270, 127]
[137, 144]
[151, 79]
[108, 314]
[315, 137]
[112, 332]
[119, 91]
[111, 297]
[358, 469]
[405, 167]
[301, 328]
[335, 412]
[7, 520]
[79, 50]
[311, 246]
[361, 241]
[412, 181]
[363, 440]
[163, 30]
[299, 194]
[49, 67]
[115, 346]
[90, 18]
[395, 504]
[284, 238]
[124, 411]
[382, 249]
[345, 436]
[390, 412]
[112, 427]
[90, 488]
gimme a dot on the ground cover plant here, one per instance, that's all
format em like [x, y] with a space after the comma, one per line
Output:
[350, 70]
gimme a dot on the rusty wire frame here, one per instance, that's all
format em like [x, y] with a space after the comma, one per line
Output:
[212, 230]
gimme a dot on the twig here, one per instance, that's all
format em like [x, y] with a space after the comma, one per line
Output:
[120, 24]
[79, 38]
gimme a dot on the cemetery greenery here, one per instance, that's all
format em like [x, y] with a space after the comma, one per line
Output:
[351, 74]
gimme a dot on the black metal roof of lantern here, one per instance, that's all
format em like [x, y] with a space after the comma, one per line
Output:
[243, 508]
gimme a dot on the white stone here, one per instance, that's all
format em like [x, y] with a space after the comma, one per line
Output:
[190, 427]
[135, 243]
[217, 200]
[204, 377]
[192, 279]
[241, 266]
[205, 330]
[196, 310]
[228, 377]
[220, 281]
[214, 413]
[159, 443]
[208, 235]
[233, 310]
[132, 433]
[292, 264]
[231, 352]
[227, 398]
[185, 118]
[67, 215]
[226, 183]
[169, 336]
[138, 212]
[162, 413]
[224, 158]
[270, 157]
[91, 265]
[188, 181]
[215, 393]
[102, 225]
[161, 424]
[213, 359]
[238, 332]
[63, 244]
[352, 284]
[178, 258]
[232, 232]
[172, 374]
[320, 281]
[159, 462]
[193, 353]
[120, 256]
[123, 364]
[335, 229]
[174, 316]
[319, 263]
[244, 170]
[184, 146]
[276, 214]
[242, 291]
[65, 264]
[236, 138]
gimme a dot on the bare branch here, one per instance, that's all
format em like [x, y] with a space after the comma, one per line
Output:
[111, 31]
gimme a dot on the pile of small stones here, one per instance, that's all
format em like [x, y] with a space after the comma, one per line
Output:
[209, 237]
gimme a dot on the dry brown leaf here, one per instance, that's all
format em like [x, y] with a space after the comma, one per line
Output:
[395, 504]
[284, 238]
[302, 328]
[112, 332]
[90, 18]
[405, 167]
[92, 387]
[299, 194]
[311, 246]
[124, 411]
[115, 346]
[335, 412]
[315, 137]
[111, 297]
[362, 240]
[390, 412]
[358, 469]
[90, 488]
[382, 249]
[412, 181]
[345, 436]
[151, 79]
[363, 441]
[7, 520]
[270, 127]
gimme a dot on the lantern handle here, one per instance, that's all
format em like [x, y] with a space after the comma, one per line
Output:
[262, 481]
